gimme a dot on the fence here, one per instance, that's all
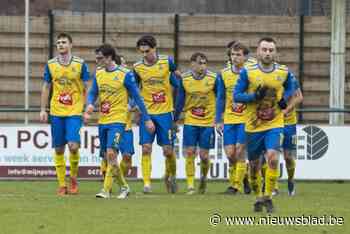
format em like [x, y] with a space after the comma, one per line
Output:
[178, 35]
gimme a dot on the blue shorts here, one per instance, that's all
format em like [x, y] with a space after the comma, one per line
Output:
[163, 124]
[234, 134]
[289, 132]
[196, 135]
[127, 143]
[65, 129]
[110, 136]
[259, 142]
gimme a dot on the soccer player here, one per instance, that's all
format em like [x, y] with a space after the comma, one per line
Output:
[197, 96]
[234, 119]
[112, 85]
[154, 73]
[68, 76]
[264, 87]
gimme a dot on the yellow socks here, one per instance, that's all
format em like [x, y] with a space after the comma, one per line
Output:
[270, 181]
[170, 165]
[241, 169]
[74, 164]
[146, 169]
[291, 169]
[60, 165]
[108, 181]
[103, 167]
[123, 167]
[231, 174]
[204, 167]
[118, 174]
[255, 182]
[190, 171]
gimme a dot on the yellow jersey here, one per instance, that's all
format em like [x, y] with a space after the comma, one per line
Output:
[155, 84]
[234, 113]
[199, 99]
[113, 95]
[264, 114]
[68, 89]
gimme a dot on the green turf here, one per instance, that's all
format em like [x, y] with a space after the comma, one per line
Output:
[32, 207]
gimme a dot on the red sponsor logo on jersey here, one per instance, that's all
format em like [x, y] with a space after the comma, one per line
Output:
[65, 99]
[238, 107]
[105, 107]
[198, 111]
[158, 97]
[266, 114]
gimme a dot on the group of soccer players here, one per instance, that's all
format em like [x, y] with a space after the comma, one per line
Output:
[251, 103]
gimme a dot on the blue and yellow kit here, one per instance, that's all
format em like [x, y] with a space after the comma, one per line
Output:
[264, 114]
[113, 89]
[67, 86]
[156, 84]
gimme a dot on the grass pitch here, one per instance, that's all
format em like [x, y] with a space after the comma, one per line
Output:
[33, 207]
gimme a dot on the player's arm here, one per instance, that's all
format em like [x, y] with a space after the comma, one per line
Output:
[180, 101]
[85, 76]
[45, 92]
[289, 90]
[173, 67]
[296, 98]
[240, 91]
[220, 103]
[91, 99]
[130, 85]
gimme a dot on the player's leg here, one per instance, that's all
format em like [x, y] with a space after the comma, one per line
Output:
[273, 142]
[241, 167]
[73, 125]
[206, 142]
[165, 139]
[289, 150]
[102, 135]
[190, 141]
[255, 146]
[113, 170]
[58, 143]
[127, 150]
[230, 151]
[146, 140]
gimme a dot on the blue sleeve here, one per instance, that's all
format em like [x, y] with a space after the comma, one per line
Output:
[174, 81]
[172, 65]
[220, 98]
[47, 74]
[85, 73]
[180, 101]
[240, 92]
[93, 92]
[130, 85]
[289, 87]
[137, 77]
[131, 102]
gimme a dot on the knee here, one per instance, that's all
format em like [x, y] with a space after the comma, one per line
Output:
[59, 150]
[73, 148]
[111, 156]
[127, 160]
[190, 152]
[168, 152]
[146, 149]
[254, 166]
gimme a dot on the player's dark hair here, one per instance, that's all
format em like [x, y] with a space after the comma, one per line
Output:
[146, 40]
[240, 46]
[196, 55]
[267, 39]
[65, 35]
[117, 58]
[108, 50]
